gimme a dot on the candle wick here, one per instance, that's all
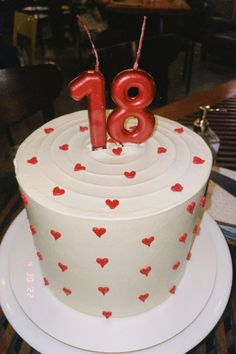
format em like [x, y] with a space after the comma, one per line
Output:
[136, 63]
[86, 30]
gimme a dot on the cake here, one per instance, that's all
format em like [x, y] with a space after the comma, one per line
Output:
[113, 228]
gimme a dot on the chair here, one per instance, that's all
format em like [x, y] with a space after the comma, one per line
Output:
[25, 25]
[220, 41]
[25, 91]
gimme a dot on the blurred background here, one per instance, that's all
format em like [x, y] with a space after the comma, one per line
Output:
[187, 50]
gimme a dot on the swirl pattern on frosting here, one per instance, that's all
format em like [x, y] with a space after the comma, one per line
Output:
[89, 178]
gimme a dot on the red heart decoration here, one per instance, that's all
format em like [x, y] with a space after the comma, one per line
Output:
[197, 160]
[103, 289]
[40, 257]
[143, 297]
[117, 151]
[24, 199]
[195, 229]
[67, 291]
[55, 234]
[202, 201]
[176, 265]
[102, 261]
[48, 130]
[179, 130]
[33, 229]
[132, 128]
[177, 187]
[78, 167]
[99, 231]
[83, 128]
[188, 257]
[64, 147]
[173, 289]
[161, 150]
[112, 203]
[62, 266]
[148, 240]
[33, 160]
[191, 207]
[183, 237]
[145, 271]
[107, 314]
[46, 282]
[58, 191]
[130, 174]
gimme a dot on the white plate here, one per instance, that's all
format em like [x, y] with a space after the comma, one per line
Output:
[184, 341]
[115, 335]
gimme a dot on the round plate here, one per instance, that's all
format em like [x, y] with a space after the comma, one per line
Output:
[185, 340]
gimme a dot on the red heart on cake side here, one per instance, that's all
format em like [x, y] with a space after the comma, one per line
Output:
[148, 240]
[83, 129]
[179, 130]
[112, 203]
[117, 151]
[33, 160]
[146, 270]
[99, 231]
[188, 257]
[172, 290]
[40, 257]
[103, 289]
[67, 291]
[62, 266]
[78, 167]
[161, 150]
[177, 187]
[202, 201]
[57, 191]
[102, 261]
[64, 147]
[33, 229]
[46, 282]
[143, 297]
[197, 160]
[176, 265]
[107, 314]
[48, 130]
[130, 174]
[24, 199]
[183, 237]
[195, 229]
[55, 234]
[191, 207]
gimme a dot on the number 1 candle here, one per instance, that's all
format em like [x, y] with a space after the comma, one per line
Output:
[91, 84]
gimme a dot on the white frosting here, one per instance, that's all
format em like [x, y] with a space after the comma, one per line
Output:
[148, 207]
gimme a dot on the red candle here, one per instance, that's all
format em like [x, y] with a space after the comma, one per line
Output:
[92, 85]
[132, 106]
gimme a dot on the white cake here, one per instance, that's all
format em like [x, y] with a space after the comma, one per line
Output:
[113, 227]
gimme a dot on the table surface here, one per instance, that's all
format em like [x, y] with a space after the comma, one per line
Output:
[222, 338]
[147, 6]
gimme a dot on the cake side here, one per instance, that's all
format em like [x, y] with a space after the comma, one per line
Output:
[112, 228]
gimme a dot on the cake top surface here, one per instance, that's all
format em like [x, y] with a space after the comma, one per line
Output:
[56, 167]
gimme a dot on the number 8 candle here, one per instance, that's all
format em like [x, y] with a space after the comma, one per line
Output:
[132, 106]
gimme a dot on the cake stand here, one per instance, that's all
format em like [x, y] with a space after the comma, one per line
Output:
[212, 304]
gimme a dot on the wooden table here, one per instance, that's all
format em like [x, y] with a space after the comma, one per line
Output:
[147, 6]
[223, 123]
[179, 109]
